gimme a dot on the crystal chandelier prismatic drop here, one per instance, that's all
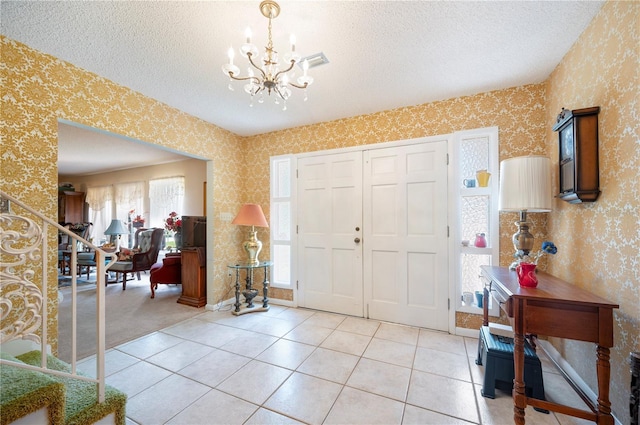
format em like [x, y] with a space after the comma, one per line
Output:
[268, 77]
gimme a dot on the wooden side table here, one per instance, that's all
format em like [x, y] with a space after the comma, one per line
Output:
[194, 277]
[249, 292]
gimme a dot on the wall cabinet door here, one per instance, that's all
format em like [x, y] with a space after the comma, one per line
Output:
[71, 207]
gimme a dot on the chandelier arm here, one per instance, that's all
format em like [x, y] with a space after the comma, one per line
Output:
[255, 66]
[298, 86]
[254, 79]
[284, 71]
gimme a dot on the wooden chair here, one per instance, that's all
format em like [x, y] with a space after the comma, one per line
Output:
[147, 247]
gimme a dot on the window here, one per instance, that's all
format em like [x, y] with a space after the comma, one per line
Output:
[281, 220]
[165, 196]
[100, 200]
[128, 197]
[477, 210]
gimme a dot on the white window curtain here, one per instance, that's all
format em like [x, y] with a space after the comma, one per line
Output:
[165, 196]
[100, 200]
[129, 199]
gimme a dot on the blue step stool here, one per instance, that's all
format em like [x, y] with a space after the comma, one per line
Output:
[496, 354]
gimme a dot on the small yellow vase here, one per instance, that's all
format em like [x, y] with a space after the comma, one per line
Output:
[482, 176]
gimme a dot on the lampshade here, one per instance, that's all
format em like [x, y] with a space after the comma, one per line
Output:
[525, 184]
[251, 215]
[116, 228]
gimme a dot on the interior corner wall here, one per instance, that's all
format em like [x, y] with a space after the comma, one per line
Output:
[39, 89]
[598, 242]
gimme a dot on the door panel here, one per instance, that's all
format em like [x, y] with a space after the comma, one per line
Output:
[330, 209]
[405, 227]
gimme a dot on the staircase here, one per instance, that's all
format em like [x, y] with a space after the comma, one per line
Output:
[36, 386]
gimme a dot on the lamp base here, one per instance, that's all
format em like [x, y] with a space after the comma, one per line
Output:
[522, 240]
[252, 247]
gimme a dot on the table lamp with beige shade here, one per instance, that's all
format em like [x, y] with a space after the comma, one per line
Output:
[251, 215]
[525, 186]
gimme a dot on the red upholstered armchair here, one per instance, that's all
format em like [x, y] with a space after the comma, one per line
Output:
[167, 272]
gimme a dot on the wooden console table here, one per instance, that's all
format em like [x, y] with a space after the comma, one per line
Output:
[555, 308]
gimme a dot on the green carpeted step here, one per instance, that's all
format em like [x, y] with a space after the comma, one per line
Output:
[26, 391]
[82, 405]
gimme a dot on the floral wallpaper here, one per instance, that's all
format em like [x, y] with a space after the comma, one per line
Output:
[597, 242]
[38, 89]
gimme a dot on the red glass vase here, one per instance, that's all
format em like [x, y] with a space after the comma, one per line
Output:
[527, 275]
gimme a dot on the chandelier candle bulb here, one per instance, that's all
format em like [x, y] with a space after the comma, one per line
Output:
[292, 39]
[231, 54]
[247, 33]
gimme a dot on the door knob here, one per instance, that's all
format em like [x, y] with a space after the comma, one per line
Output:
[357, 240]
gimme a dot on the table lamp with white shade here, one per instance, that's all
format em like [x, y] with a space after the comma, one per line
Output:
[251, 215]
[525, 186]
[116, 228]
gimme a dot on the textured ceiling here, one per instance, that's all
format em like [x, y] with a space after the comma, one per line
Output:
[382, 54]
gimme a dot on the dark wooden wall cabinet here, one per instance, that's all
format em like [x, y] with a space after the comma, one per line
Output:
[579, 174]
[71, 207]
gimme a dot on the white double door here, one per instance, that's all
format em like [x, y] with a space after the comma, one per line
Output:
[372, 234]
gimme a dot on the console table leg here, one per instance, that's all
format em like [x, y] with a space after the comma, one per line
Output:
[603, 368]
[519, 396]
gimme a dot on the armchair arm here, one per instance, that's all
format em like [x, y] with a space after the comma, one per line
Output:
[141, 261]
[173, 260]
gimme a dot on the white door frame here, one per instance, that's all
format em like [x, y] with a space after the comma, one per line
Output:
[447, 137]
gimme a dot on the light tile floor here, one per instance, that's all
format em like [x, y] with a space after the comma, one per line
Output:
[291, 366]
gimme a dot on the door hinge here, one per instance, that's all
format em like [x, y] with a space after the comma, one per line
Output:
[447, 159]
[447, 231]
[297, 284]
[296, 173]
[448, 303]
[296, 229]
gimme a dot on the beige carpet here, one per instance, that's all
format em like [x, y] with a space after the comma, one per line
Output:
[129, 314]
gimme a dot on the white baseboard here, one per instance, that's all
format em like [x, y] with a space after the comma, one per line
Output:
[16, 347]
[470, 333]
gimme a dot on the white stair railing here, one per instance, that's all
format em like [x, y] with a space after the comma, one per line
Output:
[24, 250]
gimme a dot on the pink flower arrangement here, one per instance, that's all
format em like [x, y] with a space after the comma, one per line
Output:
[173, 222]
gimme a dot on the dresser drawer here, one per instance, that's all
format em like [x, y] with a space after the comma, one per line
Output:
[498, 294]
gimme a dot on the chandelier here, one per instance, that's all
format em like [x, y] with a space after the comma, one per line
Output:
[269, 77]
